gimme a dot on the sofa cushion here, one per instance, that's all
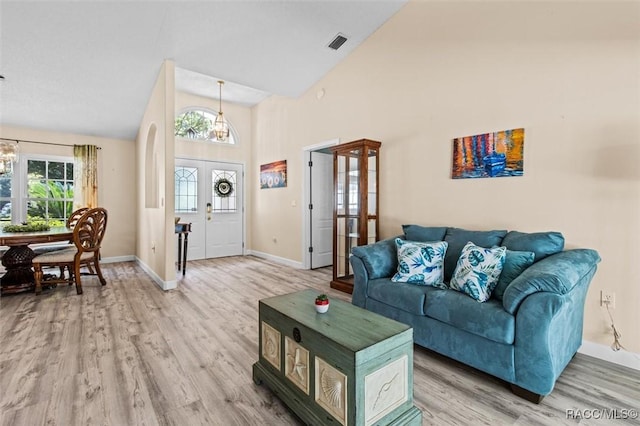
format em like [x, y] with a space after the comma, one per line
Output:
[380, 259]
[420, 263]
[488, 320]
[424, 233]
[478, 270]
[406, 297]
[457, 238]
[515, 263]
[543, 244]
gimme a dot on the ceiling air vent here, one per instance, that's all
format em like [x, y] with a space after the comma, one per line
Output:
[337, 42]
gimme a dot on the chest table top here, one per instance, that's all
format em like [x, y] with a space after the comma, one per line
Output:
[349, 326]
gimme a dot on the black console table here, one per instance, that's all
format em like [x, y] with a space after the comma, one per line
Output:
[183, 229]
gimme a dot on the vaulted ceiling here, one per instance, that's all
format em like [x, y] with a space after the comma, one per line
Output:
[89, 67]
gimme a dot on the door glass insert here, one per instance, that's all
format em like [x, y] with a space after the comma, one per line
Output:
[186, 189]
[223, 188]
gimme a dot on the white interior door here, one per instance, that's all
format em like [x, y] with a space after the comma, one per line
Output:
[209, 195]
[321, 196]
[224, 209]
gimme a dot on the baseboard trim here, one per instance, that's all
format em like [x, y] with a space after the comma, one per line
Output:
[164, 285]
[276, 259]
[604, 352]
[115, 259]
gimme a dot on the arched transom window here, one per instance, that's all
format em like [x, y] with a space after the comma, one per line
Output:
[197, 124]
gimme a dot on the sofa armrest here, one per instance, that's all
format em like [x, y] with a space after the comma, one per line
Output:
[558, 273]
[369, 262]
[548, 333]
[360, 282]
[380, 259]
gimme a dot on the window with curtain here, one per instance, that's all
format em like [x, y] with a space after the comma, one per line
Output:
[49, 188]
[39, 188]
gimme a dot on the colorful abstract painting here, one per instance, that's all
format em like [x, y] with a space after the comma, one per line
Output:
[496, 154]
[273, 175]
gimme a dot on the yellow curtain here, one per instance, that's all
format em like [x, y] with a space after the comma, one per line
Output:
[85, 176]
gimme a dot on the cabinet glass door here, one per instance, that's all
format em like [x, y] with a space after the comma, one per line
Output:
[356, 204]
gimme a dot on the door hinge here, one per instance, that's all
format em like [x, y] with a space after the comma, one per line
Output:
[310, 206]
[310, 163]
[310, 249]
[243, 245]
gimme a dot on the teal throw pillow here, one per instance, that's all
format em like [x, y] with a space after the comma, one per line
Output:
[420, 263]
[543, 244]
[457, 238]
[514, 264]
[478, 270]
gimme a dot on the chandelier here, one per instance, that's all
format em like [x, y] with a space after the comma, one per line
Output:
[8, 156]
[220, 126]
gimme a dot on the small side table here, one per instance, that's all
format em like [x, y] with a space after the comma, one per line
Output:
[183, 229]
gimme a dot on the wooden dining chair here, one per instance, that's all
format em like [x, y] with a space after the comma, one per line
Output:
[88, 233]
[70, 223]
[48, 248]
[75, 216]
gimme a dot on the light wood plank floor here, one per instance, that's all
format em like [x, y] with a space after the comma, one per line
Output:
[131, 354]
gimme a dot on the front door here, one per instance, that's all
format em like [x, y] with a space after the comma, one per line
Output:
[224, 210]
[210, 196]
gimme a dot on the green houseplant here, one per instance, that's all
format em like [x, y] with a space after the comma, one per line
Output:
[322, 303]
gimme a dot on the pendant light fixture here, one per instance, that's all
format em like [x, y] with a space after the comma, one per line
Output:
[8, 156]
[220, 126]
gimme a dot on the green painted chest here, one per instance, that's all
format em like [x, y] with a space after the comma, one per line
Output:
[348, 366]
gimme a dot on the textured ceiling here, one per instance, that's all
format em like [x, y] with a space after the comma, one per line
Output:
[89, 67]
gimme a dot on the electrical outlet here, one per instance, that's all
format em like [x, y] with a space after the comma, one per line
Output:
[608, 298]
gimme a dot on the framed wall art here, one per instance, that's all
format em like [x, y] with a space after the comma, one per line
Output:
[488, 155]
[273, 175]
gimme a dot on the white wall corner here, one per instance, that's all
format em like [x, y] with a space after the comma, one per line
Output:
[276, 259]
[604, 352]
[164, 285]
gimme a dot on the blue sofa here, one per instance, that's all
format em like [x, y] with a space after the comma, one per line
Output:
[525, 334]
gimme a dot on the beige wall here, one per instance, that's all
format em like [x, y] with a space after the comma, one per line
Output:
[155, 226]
[116, 177]
[566, 72]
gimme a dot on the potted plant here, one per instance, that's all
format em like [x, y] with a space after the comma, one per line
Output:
[322, 303]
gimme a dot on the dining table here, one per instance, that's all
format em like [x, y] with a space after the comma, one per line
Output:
[17, 259]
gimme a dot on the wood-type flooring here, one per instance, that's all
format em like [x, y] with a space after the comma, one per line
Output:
[130, 354]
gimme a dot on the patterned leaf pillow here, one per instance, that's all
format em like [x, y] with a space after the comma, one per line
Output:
[478, 270]
[420, 263]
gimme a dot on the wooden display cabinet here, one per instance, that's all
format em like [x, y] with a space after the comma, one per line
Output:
[355, 210]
